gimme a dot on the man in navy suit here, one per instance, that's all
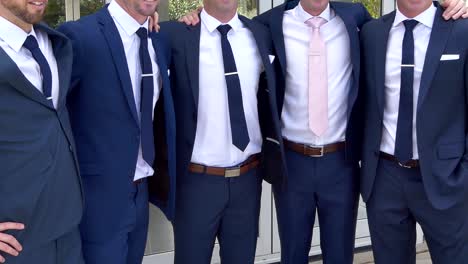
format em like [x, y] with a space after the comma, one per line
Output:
[120, 84]
[40, 188]
[228, 134]
[322, 131]
[414, 166]
[323, 170]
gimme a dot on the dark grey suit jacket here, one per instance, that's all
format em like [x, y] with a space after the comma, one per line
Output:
[39, 178]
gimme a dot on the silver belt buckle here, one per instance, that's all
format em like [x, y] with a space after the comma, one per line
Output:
[232, 172]
[321, 151]
[404, 166]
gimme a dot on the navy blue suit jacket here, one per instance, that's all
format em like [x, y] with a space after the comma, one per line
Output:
[106, 126]
[354, 16]
[442, 111]
[39, 180]
[185, 45]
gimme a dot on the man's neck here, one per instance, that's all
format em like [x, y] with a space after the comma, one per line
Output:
[413, 12]
[223, 17]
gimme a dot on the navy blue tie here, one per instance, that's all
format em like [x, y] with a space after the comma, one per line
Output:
[147, 94]
[240, 134]
[33, 47]
[404, 133]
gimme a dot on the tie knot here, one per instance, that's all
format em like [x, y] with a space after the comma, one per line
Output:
[316, 22]
[142, 33]
[31, 43]
[410, 24]
[224, 29]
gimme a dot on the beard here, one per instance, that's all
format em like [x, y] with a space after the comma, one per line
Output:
[21, 12]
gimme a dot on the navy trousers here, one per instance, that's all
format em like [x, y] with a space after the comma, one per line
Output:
[65, 249]
[210, 207]
[397, 203]
[328, 185]
[127, 246]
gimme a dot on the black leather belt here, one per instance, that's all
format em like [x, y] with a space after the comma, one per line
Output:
[410, 164]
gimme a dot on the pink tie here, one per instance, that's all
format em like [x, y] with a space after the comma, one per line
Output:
[318, 78]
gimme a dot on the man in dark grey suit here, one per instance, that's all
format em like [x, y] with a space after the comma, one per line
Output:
[40, 186]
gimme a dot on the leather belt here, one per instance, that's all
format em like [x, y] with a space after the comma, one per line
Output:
[251, 163]
[313, 151]
[410, 164]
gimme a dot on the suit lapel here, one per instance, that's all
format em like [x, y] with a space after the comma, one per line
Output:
[258, 40]
[192, 52]
[351, 28]
[380, 58]
[439, 36]
[162, 63]
[63, 56]
[276, 28]
[112, 36]
[13, 75]
[161, 60]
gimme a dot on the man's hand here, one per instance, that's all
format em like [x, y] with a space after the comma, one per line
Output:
[191, 18]
[8, 243]
[454, 9]
[153, 22]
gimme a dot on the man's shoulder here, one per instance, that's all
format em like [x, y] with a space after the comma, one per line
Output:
[460, 29]
[170, 27]
[255, 24]
[264, 18]
[355, 11]
[347, 5]
[86, 23]
[375, 24]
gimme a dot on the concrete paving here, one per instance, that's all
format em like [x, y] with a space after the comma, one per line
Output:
[365, 257]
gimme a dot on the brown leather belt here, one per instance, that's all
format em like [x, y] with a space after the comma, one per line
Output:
[410, 164]
[313, 151]
[251, 163]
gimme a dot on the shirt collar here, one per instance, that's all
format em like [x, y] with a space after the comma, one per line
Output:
[304, 16]
[212, 23]
[126, 21]
[13, 35]
[426, 18]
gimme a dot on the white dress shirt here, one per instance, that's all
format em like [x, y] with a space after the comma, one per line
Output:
[12, 39]
[421, 33]
[127, 27]
[213, 141]
[295, 113]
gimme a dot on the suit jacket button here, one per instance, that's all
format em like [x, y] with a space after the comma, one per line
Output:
[71, 148]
